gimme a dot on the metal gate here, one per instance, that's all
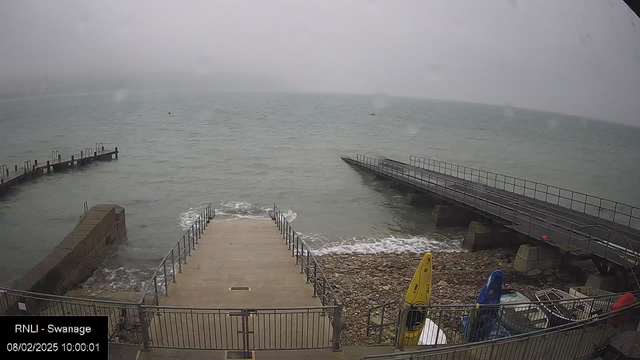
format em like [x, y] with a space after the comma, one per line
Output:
[241, 329]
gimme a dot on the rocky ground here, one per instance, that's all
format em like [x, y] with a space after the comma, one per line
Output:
[366, 280]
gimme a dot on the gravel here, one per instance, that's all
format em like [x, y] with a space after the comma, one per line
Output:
[366, 280]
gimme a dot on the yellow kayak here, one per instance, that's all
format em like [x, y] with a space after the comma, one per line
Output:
[419, 293]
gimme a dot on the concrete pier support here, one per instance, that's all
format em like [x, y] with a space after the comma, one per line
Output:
[482, 236]
[449, 215]
[532, 259]
[605, 282]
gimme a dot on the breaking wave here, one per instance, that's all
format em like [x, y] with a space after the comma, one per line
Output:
[387, 244]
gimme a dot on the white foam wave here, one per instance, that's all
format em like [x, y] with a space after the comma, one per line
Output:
[116, 279]
[188, 217]
[290, 215]
[247, 210]
[392, 244]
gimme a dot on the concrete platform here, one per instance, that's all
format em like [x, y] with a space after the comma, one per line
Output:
[276, 311]
[242, 252]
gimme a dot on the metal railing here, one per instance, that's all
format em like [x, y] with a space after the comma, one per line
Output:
[158, 285]
[557, 229]
[606, 209]
[124, 318]
[572, 340]
[391, 323]
[240, 329]
[314, 273]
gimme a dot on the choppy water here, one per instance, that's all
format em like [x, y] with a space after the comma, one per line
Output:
[244, 151]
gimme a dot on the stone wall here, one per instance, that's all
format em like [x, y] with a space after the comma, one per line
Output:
[79, 254]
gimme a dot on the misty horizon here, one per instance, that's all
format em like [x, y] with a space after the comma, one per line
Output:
[577, 57]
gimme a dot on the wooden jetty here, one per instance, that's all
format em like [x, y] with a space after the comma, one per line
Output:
[12, 176]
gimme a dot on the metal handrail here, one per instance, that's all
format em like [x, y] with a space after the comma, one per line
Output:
[468, 195]
[582, 324]
[42, 296]
[188, 241]
[304, 258]
[301, 250]
[442, 167]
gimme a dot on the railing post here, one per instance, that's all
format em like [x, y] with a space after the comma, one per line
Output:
[179, 258]
[164, 270]
[144, 328]
[297, 247]
[302, 259]
[315, 279]
[155, 286]
[337, 327]
[307, 267]
[173, 266]
[190, 243]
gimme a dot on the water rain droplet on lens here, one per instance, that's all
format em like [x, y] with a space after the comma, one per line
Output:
[552, 123]
[507, 111]
[201, 65]
[380, 101]
[435, 72]
[120, 95]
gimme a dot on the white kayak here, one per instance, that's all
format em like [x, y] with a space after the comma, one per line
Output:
[431, 334]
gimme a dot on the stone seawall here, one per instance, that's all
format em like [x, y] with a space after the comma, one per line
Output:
[79, 254]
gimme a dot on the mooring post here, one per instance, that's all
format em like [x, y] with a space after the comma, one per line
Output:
[102, 147]
[48, 167]
[59, 157]
[16, 167]
[116, 153]
[35, 163]
[72, 161]
[95, 154]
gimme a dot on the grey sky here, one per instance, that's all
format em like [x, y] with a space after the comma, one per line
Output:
[580, 57]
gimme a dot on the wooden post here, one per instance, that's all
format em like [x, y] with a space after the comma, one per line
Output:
[72, 161]
[16, 167]
[48, 167]
[116, 153]
[35, 163]
[59, 157]
[95, 155]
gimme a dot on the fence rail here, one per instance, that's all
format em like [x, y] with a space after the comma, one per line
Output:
[309, 266]
[458, 324]
[159, 282]
[606, 209]
[578, 238]
[123, 317]
[241, 329]
[573, 340]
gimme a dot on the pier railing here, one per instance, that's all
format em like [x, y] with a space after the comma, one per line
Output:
[606, 209]
[559, 231]
[309, 266]
[573, 340]
[451, 324]
[124, 318]
[165, 273]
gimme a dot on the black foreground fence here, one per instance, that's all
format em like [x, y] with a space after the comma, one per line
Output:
[570, 341]
[391, 323]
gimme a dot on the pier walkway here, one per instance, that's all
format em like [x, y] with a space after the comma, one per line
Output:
[241, 285]
[583, 225]
[11, 176]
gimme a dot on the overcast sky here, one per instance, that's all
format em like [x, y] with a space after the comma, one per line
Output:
[573, 56]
